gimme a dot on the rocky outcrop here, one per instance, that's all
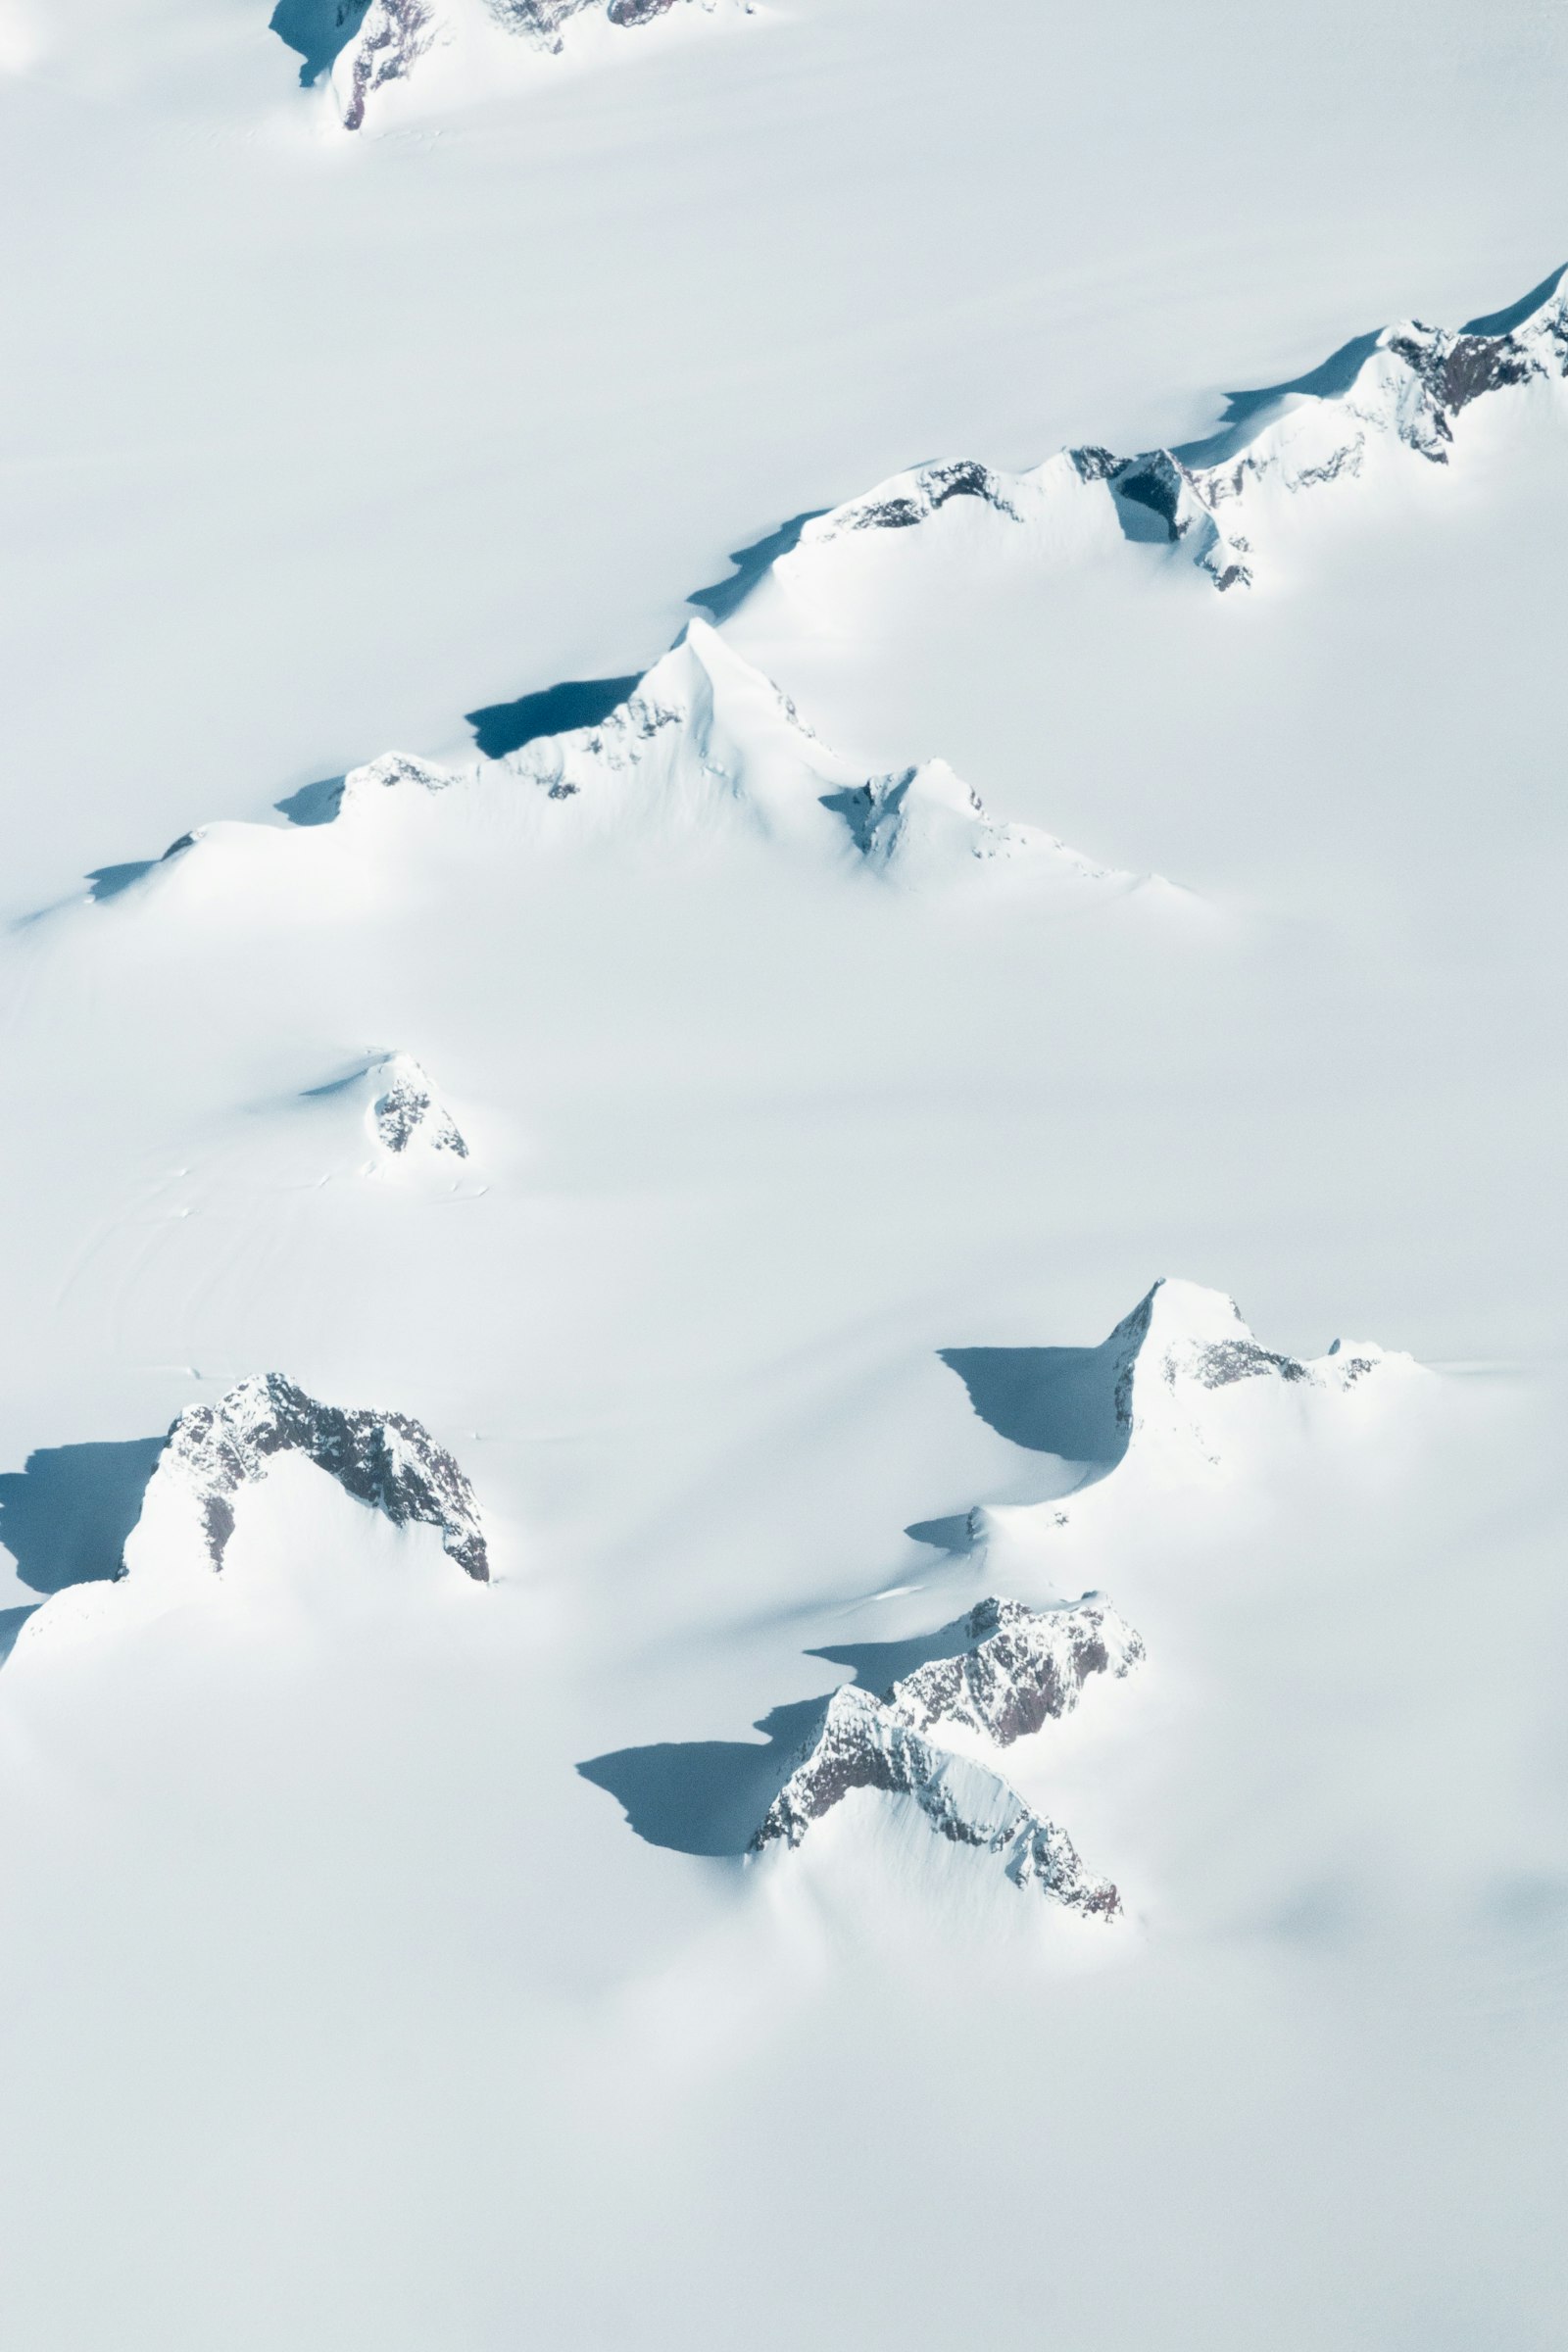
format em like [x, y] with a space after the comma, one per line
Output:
[1020, 1668]
[391, 36]
[405, 1111]
[915, 497]
[1011, 1671]
[860, 1744]
[384, 1459]
[1403, 387]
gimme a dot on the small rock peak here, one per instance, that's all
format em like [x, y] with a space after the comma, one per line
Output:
[393, 771]
[405, 1112]
[386, 1460]
[1004, 1672]
[393, 35]
[859, 1743]
[1020, 1668]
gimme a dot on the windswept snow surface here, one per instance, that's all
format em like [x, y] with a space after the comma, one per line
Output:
[695, 1140]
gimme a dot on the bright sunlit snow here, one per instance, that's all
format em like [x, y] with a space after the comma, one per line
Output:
[781, 1522]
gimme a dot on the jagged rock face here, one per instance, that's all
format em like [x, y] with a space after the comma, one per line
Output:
[1022, 1668]
[393, 35]
[860, 1744]
[384, 1459]
[406, 1111]
[916, 497]
[1404, 386]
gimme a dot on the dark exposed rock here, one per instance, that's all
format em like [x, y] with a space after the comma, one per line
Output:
[1021, 1668]
[858, 1743]
[384, 1459]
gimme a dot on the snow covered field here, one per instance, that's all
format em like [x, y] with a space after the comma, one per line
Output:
[678, 1088]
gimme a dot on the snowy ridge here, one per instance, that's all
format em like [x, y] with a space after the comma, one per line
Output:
[1016, 1669]
[1023, 1667]
[393, 35]
[705, 733]
[860, 1744]
[703, 744]
[1399, 391]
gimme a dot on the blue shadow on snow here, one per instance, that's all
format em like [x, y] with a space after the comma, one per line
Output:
[705, 1796]
[65, 1517]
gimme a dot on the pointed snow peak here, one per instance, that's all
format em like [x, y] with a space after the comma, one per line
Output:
[384, 1459]
[391, 36]
[405, 1112]
[1184, 1340]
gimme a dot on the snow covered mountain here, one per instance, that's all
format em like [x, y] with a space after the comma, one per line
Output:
[216, 1455]
[1225, 503]
[700, 746]
[860, 1745]
[996, 1677]
[684, 1094]
[372, 51]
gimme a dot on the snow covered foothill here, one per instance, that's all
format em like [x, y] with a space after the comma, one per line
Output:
[214, 1460]
[1223, 504]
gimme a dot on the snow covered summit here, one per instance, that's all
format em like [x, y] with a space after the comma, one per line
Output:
[214, 1455]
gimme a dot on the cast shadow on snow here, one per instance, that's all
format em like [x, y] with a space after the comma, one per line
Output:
[108, 881]
[752, 563]
[315, 30]
[1059, 1400]
[878, 1665]
[65, 1517]
[705, 1796]
[314, 803]
[501, 727]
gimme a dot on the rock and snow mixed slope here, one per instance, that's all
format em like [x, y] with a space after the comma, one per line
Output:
[702, 746]
[860, 1744]
[1225, 502]
[405, 1116]
[371, 51]
[215, 1454]
[1012, 1670]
